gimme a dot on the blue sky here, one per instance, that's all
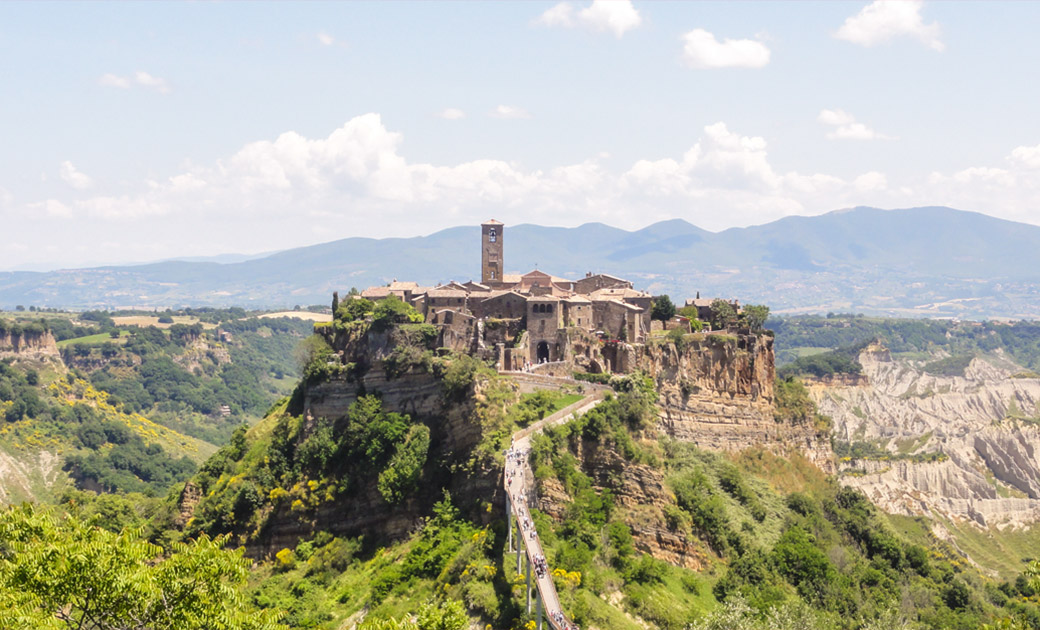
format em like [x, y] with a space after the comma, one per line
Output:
[135, 132]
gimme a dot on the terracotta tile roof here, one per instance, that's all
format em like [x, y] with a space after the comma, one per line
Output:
[376, 292]
[503, 292]
[620, 293]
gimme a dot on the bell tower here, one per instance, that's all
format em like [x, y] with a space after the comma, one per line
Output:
[492, 261]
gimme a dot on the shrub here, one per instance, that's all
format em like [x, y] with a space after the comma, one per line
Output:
[354, 309]
[285, 559]
[391, 310]
[799, 560]
[402, 475]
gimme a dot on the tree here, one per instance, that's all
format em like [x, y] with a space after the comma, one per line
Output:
[354, 309]
[662, 308]
[402, 474]
[755, 315]
[392, 310]
[335, 302]
[691, 313]
[722, 314]
[63, 573]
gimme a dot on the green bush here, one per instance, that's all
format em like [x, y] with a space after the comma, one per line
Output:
[391, 311]
[354, 309]
[401, 476]
[799, 560]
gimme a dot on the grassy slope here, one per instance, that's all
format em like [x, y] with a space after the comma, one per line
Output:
[91, 340]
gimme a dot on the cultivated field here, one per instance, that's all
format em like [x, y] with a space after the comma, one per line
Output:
[153, 320]
[313, 317]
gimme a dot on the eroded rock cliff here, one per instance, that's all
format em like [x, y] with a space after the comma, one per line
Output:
[716, 391]
[964, 446]
[28, 344]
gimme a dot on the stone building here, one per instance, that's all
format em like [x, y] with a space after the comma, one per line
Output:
[530, 318]
[491, 252]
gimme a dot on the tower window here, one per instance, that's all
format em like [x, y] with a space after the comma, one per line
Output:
[492, 236]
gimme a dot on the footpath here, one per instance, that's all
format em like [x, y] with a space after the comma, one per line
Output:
[518, 482]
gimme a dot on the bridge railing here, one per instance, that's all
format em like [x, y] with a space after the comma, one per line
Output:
[516, 501]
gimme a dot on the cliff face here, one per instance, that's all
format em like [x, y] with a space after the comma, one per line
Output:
[717, 392]
[641, 491]
[372, 365]
[29, 344]
[454, 431]
[964, 446]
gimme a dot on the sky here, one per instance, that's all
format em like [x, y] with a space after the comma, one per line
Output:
[134, 132]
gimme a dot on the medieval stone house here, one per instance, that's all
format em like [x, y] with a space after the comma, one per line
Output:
[532, 318]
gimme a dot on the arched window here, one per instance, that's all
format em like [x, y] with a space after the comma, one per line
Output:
[492, 235]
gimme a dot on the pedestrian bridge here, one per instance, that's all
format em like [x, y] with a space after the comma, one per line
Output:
[518, 482]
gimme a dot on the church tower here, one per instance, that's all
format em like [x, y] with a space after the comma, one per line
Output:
[492, 260]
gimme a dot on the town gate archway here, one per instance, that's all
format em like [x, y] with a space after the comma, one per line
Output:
[543, 351]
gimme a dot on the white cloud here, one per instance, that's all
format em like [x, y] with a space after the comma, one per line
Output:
[52, 208]
[560, 15]
[155, 83]
[71, 176]
[871, 181]
[355, 181]
[138, 78]
[509, 111]
[835, 117]
[1026, 156]
[452, 113]
[846, 127]
[884, 20]
[615, 16]
[326, 39]
[111, 80]
[703, 51]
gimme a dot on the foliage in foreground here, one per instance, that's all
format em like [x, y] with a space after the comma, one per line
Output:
[64, 573]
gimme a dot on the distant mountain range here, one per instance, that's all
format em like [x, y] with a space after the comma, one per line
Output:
[921, 261]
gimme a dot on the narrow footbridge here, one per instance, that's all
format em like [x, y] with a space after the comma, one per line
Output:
[519, 486]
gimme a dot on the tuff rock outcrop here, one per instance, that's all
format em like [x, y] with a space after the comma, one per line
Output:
[963, 446]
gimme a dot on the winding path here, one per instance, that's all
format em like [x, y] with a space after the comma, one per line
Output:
[518, 483]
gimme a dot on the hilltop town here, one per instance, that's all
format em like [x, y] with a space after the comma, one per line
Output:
[537, 320]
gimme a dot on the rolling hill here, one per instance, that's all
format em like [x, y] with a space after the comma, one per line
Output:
[931, 261]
